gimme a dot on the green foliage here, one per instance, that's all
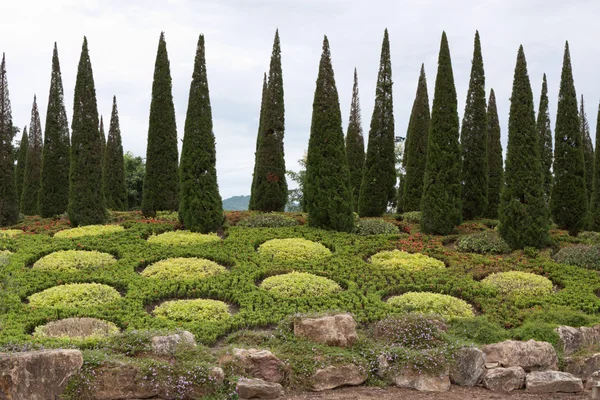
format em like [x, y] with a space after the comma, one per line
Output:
[90, 230]
[9, 233]
[545, 140]
[537, 331]
[295, 249]
[115, 189]
[560, 315]
[193, 310]
[300, 284]
[583, 256]
[414, 331]
[22, 157]
[441, 204]
[478, 329]
[9, 212]
[355, 145]
[74, 260]
[412, 217]
[135, 170]
[519, 284]
[263, 110]
[33, 164]
[397, 259]
[76, 328]
[588, 150]
[182, 238]
[595, 199]
[180, 268]
[494, 163]
[75, 295]
[375, 227]
[268, 220]
[485, 242]
[432, 303]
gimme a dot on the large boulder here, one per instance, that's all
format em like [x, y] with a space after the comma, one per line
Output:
[468, 368]
[37, 375]
[583, 367]
[575, 339]
[410, 379]
[530, 355]
[334, 330]
[258, 389]
[261, 364]
[336, 376]
[166, 345]
[504, 379]
[552, 382]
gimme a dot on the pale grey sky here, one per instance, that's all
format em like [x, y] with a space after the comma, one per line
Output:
[123, 38]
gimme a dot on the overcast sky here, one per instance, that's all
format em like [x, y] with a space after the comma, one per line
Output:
[123, 38]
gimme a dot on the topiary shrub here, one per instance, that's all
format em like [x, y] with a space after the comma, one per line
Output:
[479, 329]
[414, 331]
[581, 255]
[300, 284]
[75, 295]
[398, 259]
[183, 238]
[183, 268]
[89, 230]
[486, 242]
[294, 249]
[268, 220]
[520, 284]
[412, 217]
[375, 227]
[432, 303]
[193, 310]
[73, 260]
[9, 233]
[77, 328]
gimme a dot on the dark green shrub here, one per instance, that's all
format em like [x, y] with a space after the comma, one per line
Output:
[268, 220]
[560, 315]
[412, 217]
[479, 329]
[486, 242]
[375, 227]
[537, 331]
[581, 255]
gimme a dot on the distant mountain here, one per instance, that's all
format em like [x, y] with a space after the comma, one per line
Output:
[236, 203]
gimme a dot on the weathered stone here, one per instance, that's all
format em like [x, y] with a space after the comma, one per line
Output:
[583, 367]
[336, 376]
[530, 355]
[260, 364]
[575, 339]
[258, 389]
[121, 381]
[335, 330]
[216, 375]
[552, 382]
[504, 379]
[593, 380]
[37, 375]
[489, 365]
[410, 379]
[469, 367]
[383, 365]
[166, 345]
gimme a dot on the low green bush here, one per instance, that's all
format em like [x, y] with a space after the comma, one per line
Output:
[183, 238]
[373, 226]
[9, 233]
[76, 328]
[432, 303]
[183, 268]
[537, 331]
[90, 230]
[268, 220]
[412, 217]
[398, 259]
[589, 235]
[519, 284]
[295, 249]
[300, 284]
[486, 242]
[478, 329]
[193, 310]
[73, 260]
[75, 295]
[560, 315]
[581, 255]
[172, 216]
[414, 331]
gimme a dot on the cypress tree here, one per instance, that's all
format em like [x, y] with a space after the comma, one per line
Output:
[595, 201]
[9, 202]
[495, 164]
[54, 187]
[415, 152]
[161, 182]
[33, 164]
[20, 171]
[86, 202]
[200, 206]
[568, 202]
[102, 135]
[441, 204]
[355, 144]
[328, 196]
[113, 177]
[263, 108]
[545, 139]
[523, 212]
[588, 150]
[379, 177]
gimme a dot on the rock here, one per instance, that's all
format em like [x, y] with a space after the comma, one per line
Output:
[258, 389]
[410, 379]
[216, 375]
[492, 365]
[583, 367]
[336, 376]
[530, 355]
[37, 375]
[592, 380]
[575, 339]
[260, 364]
[382, 365]
[552, 382]
[469, 367]
[335, 330]
[121, 381]
[166, 345]
[504, 379]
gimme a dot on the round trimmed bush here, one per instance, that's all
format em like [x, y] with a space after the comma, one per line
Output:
[89, 230]
[517, 283]
[300, 284]
[183, 268]
[268, 220]
[183, 238]
[398, 259]
[485, 242]
[193, 310]
[581, 255]
[73, 260]
[432, 303]
[412, 217]
[77, 328]
[375, 227]
[75, 295]
[294, 249]
[9, 233]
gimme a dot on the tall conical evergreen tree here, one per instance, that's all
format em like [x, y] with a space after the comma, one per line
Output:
[54, 186]
[113, 177]
[441, 204]
[20, 170]
[595, 201]
[568, 202]
[102, 134]
[378, 186]
[415, 151]
[33, 164]
[588, 150]
[263, 109]
[161, 182]
[270, 186]
[86, 202]
[545, 140]
[200, 206]
[9, 202]
[328, 196]
[355, 144]
[494, 164]
[523, 212]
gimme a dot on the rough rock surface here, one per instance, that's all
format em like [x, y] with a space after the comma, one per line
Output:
[530, 355]
[166, 345]
[504, 379]
[258, 389]
[575, 339]
[121, 381]
[592, 380]
[410, 379]
[469, 367]
[552, 382]
[336, 376]
[583, 367]
[334, 330]
[260, 364]
[37, 375]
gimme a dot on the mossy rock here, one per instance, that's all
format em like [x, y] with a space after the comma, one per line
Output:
[77, 328]
[89, 230]
[74, 260]
[294, 249]
[401, 260]
[183, 238]
[75, 295]
[205, 310]
[432, 303]
[300, 284]
[183, 268]
[519, 284]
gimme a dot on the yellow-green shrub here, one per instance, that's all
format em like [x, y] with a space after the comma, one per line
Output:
[9, 233]
[517, 283]
[300, 284]
[432, 303]
[397, 259]
[293, 250]
[90, 230]
[183, 268]
[193, 310]
[75, 295]
[182, 238]
[77, 328]
[73, 260]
